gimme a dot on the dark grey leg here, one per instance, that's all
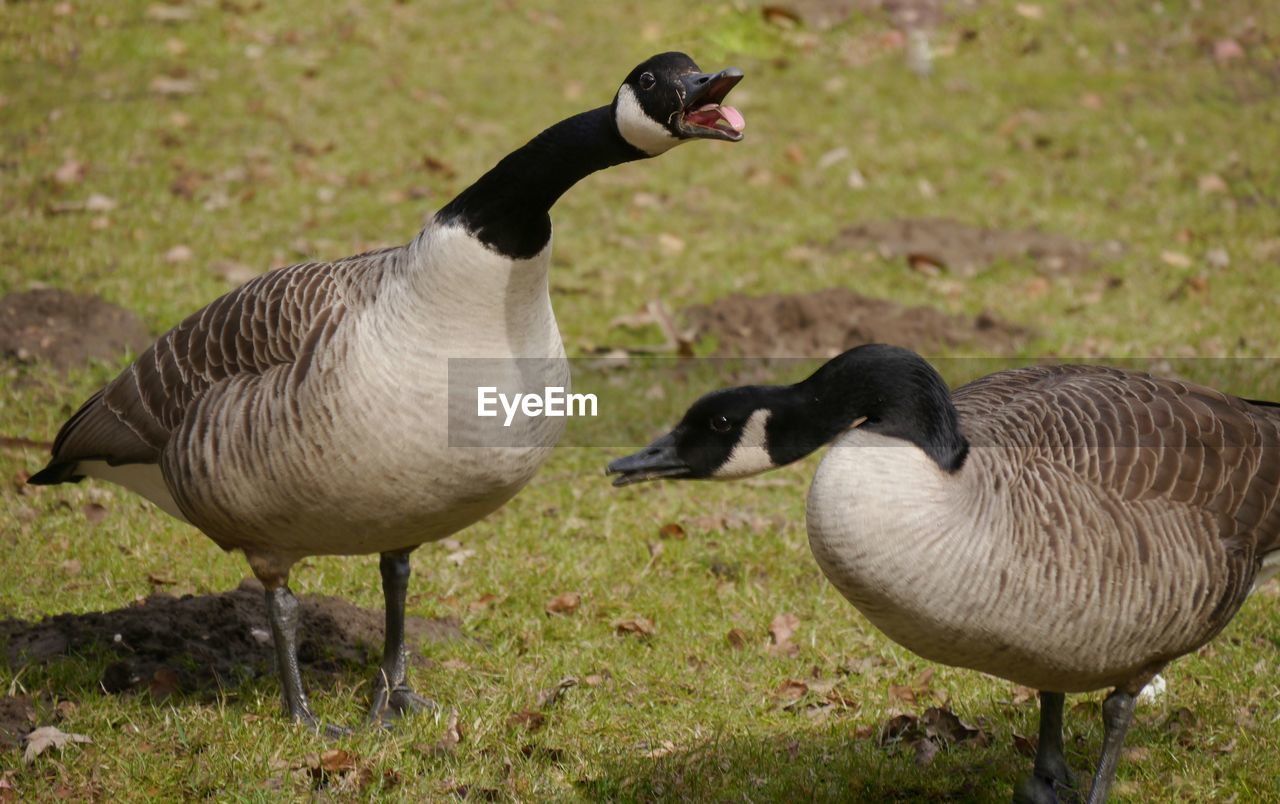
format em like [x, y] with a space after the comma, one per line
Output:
[282, 612]
[1052, 780]
[1117, 714]
[392, 696]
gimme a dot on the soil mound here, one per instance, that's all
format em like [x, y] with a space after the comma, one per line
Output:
[963, 249]
[66, 329]
[827, 322]
[196, 643]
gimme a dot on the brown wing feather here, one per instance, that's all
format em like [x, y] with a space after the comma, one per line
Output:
[1144, 437]
[261, 324]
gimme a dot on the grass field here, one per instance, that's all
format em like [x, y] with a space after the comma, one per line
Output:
[242, 135]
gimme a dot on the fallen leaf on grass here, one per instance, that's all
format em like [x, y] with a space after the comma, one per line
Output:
[1022, 695]
[528, 719]
[160, 579]
[925, 751]
[552, 696]
[564, 603]
[69, 172]
[458, 557]
[237, 273]
[46, 737]
[178, 253]
[169, 14]
[1024, 745]
[1176, 259]
[791, 690]
[664, 748]
[448, 742]
[737, 638]
[671, 530]
[639, 626]
[781, 630]
[94, 512]
[164, 682]
[164, 85]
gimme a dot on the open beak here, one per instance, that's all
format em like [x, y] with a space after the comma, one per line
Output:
[704, 114]
[659, 459]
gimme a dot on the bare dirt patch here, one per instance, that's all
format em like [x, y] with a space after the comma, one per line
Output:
[17, 717]
[946, 245]
[66, 329]
[827, 322]
[198, 643]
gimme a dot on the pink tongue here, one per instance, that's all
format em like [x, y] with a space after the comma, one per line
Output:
[709, 114]
[733, 117]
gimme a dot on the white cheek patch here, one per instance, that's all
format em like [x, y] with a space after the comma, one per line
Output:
[751, 454]
[638, 128]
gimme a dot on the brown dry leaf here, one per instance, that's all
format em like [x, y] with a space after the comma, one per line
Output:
[550, 697]
[69, 172]
[671, 530]
[596, 679]
[898, 728]
[527, 719]
[922, 681]
[779, 15]
[1022, 695]
[1176, 259]
[1227, 50]
[97, 202]
[926, 264]
[459, 557]
[483, 602]
[737, 638]
[94, 512]
[639, 626]
[564, 603]
[1024, 745]
[780, 631]
[1029, 11]
[70, 567]
[169, 14]
[179, 253]
[925, 751]
[902, 694]
[944, 725]
[670, 245]
[46, 737]
[448, 742]
[237, 273]
[336, 760]
[1211, 183]
[666, 747]
[793, 689]
[164, 682]
[438, 166]
[1091, 100]
[172, 87]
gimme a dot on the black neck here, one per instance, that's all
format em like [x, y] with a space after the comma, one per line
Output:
[507, 208]
[898, 392]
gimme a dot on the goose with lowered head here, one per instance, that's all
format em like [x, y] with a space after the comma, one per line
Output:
[1070, 528]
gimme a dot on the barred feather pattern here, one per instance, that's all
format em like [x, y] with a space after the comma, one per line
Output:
[1104, 523]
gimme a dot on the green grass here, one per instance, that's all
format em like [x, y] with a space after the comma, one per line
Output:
[307, 136]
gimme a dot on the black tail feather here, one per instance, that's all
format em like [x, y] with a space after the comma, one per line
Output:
[55, 473]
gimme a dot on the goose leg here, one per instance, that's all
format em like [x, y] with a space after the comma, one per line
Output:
[1051, 778]
[282, 612]
[392, 696]
[1117, 714]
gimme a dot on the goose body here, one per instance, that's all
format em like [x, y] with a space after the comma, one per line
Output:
[311, 411]
[1066, 527]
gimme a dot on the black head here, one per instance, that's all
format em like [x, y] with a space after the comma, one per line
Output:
[667, 100]
[744, 431]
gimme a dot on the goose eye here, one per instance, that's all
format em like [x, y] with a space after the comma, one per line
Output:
[647, 80]
[720, 424]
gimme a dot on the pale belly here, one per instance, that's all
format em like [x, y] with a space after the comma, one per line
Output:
[1066, 608]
